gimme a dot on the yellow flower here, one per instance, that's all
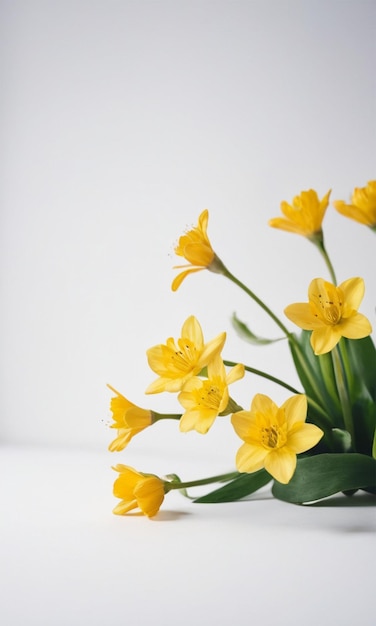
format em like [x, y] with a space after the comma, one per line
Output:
[204, 399]
[331, 313]
[274, 435]
[363, 205]
[304, 216]
[135, 490]
[181, 359]
[195, 247]
[129, 420]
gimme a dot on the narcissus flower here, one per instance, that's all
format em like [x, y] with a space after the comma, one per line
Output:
[195, 247]
[363, 205]
[204, 399]
[274, 435]
[331, 313]
[143, 491]
[179, 360]
[304, 216]
[129, 420]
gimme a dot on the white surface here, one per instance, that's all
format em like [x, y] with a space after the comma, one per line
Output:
[66, 560]
[120, 122]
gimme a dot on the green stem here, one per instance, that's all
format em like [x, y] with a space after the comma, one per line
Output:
[252, 295]
[252, 370]
[340, 377]
[320, 245]
[165, 416]
[220, 478]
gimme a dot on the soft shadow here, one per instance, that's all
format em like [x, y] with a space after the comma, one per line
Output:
[170, 516]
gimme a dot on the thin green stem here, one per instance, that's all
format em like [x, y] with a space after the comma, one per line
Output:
[252, 370]
[340, 376]
[252, 295]
[220, 478]
[320, 245]
[165, 416]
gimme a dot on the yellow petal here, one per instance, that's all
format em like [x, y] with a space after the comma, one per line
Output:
[281, 464]
[325, 338]
[295, 409]
[236, 373]
[242, 422]
[180, 277]
[211, 349]
[264, 405]
[355, 327]
[304, 438]
[192, 330]
[353, 292]
[123, 507]
[301, 315]
[250, 458]
[199, 420]
[149, 494]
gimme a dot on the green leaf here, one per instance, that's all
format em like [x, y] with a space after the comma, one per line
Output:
[242, 486]
[323, 475]
[246, 334]
[317, 377]
[362, 358]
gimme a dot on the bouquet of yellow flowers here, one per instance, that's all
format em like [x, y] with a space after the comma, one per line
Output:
[321, 440]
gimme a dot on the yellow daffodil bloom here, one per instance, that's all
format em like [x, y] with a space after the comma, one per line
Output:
[204, 399]
[195, 247]
[273, 436]
[363, 205]
[129, 420]
[304, 216]
[143, 491]
[331, 313]
[180, 359]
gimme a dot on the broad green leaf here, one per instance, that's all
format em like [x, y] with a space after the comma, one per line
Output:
[361, 356]
[242, 486]
[323, 475]
[246, 334]
[364, 419]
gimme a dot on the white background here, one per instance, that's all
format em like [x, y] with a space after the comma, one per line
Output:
[120, 122]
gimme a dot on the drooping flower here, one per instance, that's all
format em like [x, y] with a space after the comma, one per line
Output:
[204, 399]
[195, 247]
[273, 436]
[180, 359]
[331, 313]
[143, 491]
[363, 205]
[304, 216]
[129, 420]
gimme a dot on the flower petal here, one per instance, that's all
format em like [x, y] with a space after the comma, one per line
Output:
[325, 338]
[295, 410]
[192, 330]
[211, 349]
[353, 292]
[236, 373]
[281, 464]
[150, 495]
[301, 315]
[355, 327]
[250, 458]
[304, 438]
[180, 277]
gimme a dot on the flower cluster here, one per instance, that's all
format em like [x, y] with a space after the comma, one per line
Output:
[321, 440]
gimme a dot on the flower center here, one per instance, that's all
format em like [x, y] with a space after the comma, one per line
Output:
[273, 436]
[209, 395]
[328, 304]
[184, 357]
